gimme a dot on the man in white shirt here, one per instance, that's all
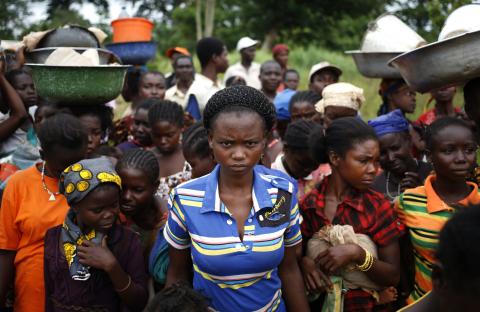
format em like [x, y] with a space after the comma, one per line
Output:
[184, 73]
[213, 57]
[247, 48]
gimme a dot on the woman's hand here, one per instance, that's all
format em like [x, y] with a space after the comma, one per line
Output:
[96, 255]
[337, 257]
[315, 280]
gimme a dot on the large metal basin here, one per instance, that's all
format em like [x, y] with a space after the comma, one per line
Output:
[440, 64]
[375, 64]
[75, 85]
[39, 56]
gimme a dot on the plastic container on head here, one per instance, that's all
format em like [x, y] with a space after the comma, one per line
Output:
[132, 29]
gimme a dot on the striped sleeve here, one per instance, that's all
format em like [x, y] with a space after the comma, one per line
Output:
[293, 234]
[175, 231]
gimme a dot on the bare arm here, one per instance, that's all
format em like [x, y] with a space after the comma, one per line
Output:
[179, 266]
[18, 113]
[292, 282]
[6, 273]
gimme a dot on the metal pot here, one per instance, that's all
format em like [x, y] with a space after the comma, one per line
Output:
[72, 36]
[375, 64]
[444, 63]
[462, 20]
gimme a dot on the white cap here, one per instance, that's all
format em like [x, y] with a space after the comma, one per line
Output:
[246, 42]
[323, 65]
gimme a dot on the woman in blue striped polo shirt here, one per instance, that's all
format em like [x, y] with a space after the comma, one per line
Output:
[239, 225]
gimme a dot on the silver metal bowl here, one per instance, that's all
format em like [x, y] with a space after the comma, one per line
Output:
[375, 64]
[441, 64]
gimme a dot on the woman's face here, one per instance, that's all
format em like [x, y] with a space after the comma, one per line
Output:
[137, 191]
[99, 209]
[237, 140]
[359, 166]
[166, 136]
[395, 153]
[140, 128]
[282, 58]
[24, 86]
[404, 99]
[93, 127]
[299, 162]
[453, 152]
[302, 110]
[152, 86]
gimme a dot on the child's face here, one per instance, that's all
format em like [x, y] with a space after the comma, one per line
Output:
[140, 128]
[152, 86]
[93, 127]
[137, 191]
[322, 79]
[292, 80]
[24, 86]
[166, 136]
[99, 209]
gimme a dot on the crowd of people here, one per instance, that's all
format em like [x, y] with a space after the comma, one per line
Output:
[195, 191]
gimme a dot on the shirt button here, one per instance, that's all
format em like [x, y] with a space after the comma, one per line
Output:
[229, 222]
[250, 220]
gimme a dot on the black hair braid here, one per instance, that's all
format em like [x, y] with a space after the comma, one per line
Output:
[239, 98]
[164, 110]
[298, 133]
[63, 130]
[304, 96]
[143, 160]
[195, 140]
[178, 298]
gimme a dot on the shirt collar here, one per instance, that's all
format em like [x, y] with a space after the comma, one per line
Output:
[260, 191]
[436, 204]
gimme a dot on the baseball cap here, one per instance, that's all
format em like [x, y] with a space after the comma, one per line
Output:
[321, 66]
[246, 42]
[180, 50]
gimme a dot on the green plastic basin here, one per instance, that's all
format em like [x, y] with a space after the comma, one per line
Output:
[77, 85]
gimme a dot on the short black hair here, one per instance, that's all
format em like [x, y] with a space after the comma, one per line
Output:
[340, 136]
[146, 104]
[207, 48]
[103, 112]
[182, 56]
[304, 96]
[458, 251]
[164, 110]
[291, 71]
[155, 73]
[195, 140]
[298, 134]
[178, 298]
[143, 160]
[269, 62]
[62, 130]
[12, 75]
[237, 99]
[440, 124]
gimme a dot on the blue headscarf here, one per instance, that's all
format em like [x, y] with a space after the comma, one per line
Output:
[392, 122]
[282, 102]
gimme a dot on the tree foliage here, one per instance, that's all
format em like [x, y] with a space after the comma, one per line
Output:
[12, 17]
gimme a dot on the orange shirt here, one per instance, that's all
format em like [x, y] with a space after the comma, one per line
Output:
[25, 216]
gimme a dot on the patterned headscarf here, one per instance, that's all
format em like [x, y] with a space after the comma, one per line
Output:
[76, 182]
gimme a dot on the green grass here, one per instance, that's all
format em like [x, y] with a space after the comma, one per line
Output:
[303, 58]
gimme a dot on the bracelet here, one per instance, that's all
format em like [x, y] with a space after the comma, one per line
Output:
[126, 287]
[367, 263]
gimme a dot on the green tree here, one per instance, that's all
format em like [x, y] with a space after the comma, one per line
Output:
[65, 5]
[60, 17]
[12, 17]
